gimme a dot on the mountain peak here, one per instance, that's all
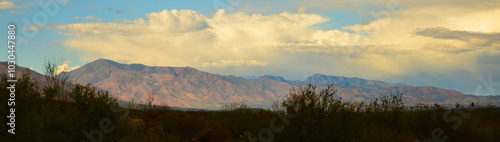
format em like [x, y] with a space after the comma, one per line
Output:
[103, 62]
[272, 77]
[400, 84]
[189, 87]
[281, 79]
[319, 75]
[345, 81]
[320, 78]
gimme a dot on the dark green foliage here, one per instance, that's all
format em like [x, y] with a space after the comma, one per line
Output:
[57, 85]
[321, 117]
[88, 96]
[318, 117]
[41, 118]
[306, 102]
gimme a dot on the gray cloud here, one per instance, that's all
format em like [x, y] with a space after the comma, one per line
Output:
[446, 48]
[476, 38]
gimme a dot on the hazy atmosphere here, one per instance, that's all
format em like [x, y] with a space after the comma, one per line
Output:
[451, 44]
[250, 70]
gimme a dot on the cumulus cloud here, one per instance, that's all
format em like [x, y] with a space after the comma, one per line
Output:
[175, 37]
[64, 67]
[409, 42]
[395, 45]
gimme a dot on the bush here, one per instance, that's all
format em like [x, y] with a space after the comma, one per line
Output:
[234, 106]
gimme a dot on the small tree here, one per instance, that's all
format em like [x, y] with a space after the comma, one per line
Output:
[56, 80]
[387, 103]
[306, 102]
[310, 109]
[152, 114]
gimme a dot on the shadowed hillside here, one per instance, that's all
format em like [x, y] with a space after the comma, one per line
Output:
[191, 88]
[177, 86]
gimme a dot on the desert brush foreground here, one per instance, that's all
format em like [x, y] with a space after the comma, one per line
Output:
[85, 113]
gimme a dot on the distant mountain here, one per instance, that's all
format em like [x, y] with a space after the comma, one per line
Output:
[281, 79]
[178, 86]
[191, 88]
[338, 81]
[249, 77]
[400, 84]
[186, 87]
[23, 70]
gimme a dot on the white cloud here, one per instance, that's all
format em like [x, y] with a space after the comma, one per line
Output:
[7, 5]
[286, 43]
[393, 37]
[175, 37]
[64, 67]
[434, 57]
[74, 68]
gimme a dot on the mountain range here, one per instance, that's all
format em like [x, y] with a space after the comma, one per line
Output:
[187, 87]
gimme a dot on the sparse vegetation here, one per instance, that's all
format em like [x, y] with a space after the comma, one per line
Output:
[234, 106]
[56, 80]
[42, 116]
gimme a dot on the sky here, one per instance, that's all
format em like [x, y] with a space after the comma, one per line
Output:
[452, 44]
